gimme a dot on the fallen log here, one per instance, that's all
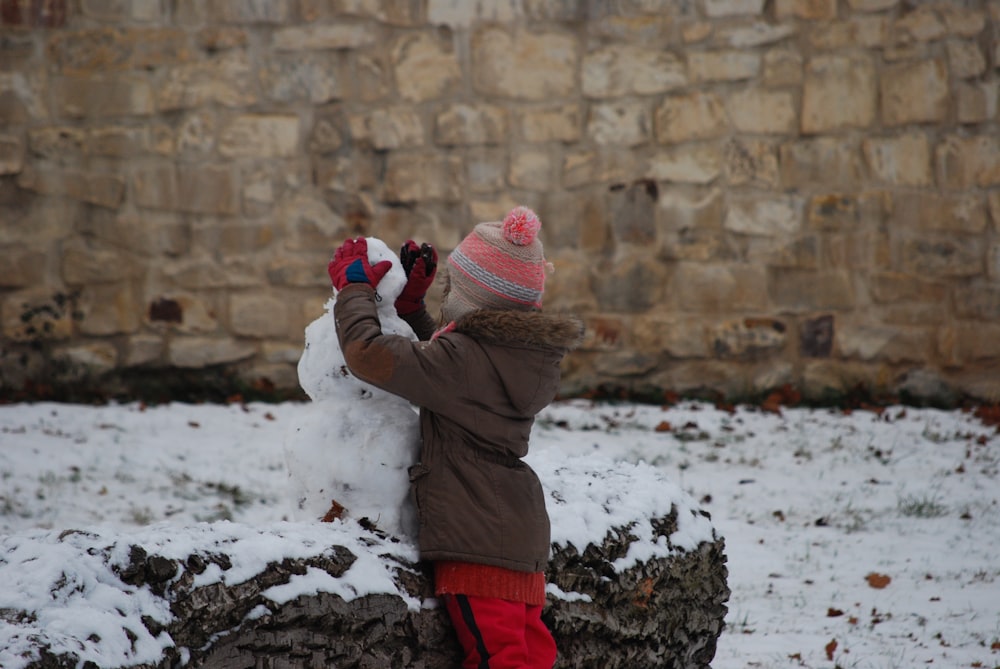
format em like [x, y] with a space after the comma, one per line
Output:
[651, 593]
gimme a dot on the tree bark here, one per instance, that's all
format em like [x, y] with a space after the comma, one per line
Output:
[667, 612]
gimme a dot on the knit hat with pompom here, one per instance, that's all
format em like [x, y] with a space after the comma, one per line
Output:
[499, 265]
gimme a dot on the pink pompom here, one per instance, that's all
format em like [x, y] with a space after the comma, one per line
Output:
[521, 226]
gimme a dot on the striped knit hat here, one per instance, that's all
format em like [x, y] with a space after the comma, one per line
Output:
[499, 265]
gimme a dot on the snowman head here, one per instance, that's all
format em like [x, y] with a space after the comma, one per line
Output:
[394, 281]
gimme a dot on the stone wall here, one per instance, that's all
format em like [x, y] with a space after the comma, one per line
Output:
[736, 194]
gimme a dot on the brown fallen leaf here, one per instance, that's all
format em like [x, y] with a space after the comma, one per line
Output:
[336, 512]
[878, 581]
[664, 426]
[830, 649]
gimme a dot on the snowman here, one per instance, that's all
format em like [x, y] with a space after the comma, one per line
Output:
[348, 454]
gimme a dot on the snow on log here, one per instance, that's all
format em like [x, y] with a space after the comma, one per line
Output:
[637, 578]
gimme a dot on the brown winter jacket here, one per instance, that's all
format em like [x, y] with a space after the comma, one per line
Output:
[479, 388]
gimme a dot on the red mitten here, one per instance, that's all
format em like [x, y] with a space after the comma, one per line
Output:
[350, 265]
[420, 265]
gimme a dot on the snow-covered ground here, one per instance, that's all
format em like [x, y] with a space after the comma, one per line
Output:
[854, 540]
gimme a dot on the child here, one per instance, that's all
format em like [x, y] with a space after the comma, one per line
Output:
[479, 382]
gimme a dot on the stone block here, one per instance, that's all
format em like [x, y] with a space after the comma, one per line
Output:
[966, 21]
[465, 124]
[82, 265]
[857, 249]
[932, 211]
[326, 136]
[204, 189]
[894, 344]
[921, 24]
[893, 287]
[915, 93]
[696, 115]
[371, 76]
[200, 273]
[149, 234]
[524, 65]
[11, 154]
[872, 5]
[826, 162]
[219, 38]
[201, 352]
[800, 290]
[36, 314]
[979, 300]
[793, 253]
[567, 289]
[870, 32]
[417, 177]
[619, 123]
[58, 144]
[809, 10]
[121, 141]
[902, 160]
[964, 343]
[486, 169]
[315, 77]
[631, 211]
[561, 123]
[764, 215]
[942, 256]
[717, 287]
[143, 349]
[965, 162]
[532, 170]
[426, 67]
[760, 33]
[260, 136]
[726, 65]
[110, 49]
[829, 82]
[109, 309]
[693, 164]
[833, 211]
[341, 35]
[184, 313]
[781, 67]
[758, 112]
[464, 14]
[677, 336]
[227, 79]
[104, 190]
[90, 358]
[750, 338]
[22, 266]
[976, 102]
[632, 284]
[251, 11]
[623, 70]
[258, 316]
[607, 166]
[345, 174]
[23, 97]
[965, 59]
[751, 162]
[102, 96]
[388, 128]
[723, 8]
[39, 13]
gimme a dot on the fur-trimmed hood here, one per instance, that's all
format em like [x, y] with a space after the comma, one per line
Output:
[535, 329]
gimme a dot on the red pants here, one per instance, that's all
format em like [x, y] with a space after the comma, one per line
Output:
[500, 634]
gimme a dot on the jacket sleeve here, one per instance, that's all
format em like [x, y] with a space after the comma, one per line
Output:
[428, 374]
[422, 323]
